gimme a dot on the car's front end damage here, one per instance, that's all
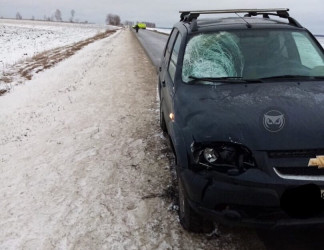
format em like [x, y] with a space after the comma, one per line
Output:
[244, 165]
[227, 183]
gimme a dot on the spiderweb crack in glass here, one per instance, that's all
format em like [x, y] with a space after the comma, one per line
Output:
[213, 55]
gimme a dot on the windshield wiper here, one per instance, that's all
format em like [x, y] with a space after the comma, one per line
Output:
[288, 77]
[317, 77]
[231, 79]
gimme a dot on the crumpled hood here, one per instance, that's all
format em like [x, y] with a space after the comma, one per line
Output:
[262, 116]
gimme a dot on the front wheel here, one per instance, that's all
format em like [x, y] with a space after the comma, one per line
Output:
[189, 219]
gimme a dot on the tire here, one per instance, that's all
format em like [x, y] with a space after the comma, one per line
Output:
[162, 121]
[189, 219]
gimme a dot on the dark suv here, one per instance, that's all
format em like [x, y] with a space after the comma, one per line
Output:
[242, 100]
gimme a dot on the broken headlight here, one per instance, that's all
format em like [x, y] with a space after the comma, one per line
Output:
[223, 157]
[210, 155]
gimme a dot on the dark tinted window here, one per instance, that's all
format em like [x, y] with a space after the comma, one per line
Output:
[174, 57]
[171, 40]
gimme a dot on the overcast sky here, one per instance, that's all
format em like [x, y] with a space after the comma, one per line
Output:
[162, 12]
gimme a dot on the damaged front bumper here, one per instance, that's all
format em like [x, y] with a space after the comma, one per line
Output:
[254, 199]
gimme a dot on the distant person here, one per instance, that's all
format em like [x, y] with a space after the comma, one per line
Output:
[136, 27]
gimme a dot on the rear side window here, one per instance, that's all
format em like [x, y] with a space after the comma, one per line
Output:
[174, 57]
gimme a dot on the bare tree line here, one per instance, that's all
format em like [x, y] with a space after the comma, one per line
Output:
[114, 19]
[18, 16]
[56, 16]
[111, 19]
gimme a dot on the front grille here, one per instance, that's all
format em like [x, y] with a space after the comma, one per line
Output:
[308, 153]
[311, 171]
[300, 173]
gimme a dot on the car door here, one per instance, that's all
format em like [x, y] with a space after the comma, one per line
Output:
[169, 69]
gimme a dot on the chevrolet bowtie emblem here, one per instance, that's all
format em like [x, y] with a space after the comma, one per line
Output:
[317, 162]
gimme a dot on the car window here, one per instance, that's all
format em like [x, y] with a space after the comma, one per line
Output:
[252, 54]
[168, 42]
[171, 40]
[169, 46]
[174, 57]
[309, 54]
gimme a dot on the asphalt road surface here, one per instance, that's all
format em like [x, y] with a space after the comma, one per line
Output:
[153, 43]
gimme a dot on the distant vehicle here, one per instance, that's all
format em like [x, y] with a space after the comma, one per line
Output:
[140, 25]
[242, 100]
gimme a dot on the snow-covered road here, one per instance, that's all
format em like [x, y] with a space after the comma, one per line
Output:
[80, 148]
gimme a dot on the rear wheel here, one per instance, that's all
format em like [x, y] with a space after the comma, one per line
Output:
[189, 219]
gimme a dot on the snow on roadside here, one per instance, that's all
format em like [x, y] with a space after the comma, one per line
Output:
[20, 72]
[20, 39]
[161, 30]
[82, 163]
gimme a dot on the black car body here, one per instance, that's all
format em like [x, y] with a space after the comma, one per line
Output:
[243, 142]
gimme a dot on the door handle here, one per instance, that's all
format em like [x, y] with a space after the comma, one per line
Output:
[163, 83]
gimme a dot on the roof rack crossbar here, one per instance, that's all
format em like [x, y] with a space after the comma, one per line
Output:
[233, 11]
[192, 15]
[291, 20]
[283, 14]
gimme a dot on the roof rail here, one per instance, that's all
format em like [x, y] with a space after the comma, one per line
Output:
[190, 15]
[233, 11]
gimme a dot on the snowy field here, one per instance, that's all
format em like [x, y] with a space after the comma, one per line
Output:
[21, 39]
[32, 46]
